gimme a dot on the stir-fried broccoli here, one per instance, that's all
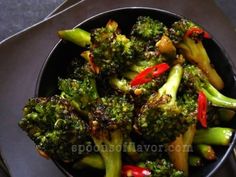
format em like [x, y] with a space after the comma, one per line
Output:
[111, 51]
[110, 121]
[160, 119]
[188, 38]
[54, 125]
[195, 79]
[144, 35]
[163, 168]
[126, 93]
[148, 28]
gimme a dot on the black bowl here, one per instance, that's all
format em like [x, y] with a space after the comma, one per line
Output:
[64, 52]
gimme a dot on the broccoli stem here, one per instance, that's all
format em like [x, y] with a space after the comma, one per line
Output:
[179, 155]
[196, 53]
[78, 36]
[206, 151]
[214, 136]
[217, 98]
[91, 160]
[110, 150]
[137, 68]
[120, 84]
[172, 84]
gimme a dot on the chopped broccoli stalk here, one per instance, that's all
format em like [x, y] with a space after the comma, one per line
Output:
[77, 36]
[54, 126]
[110, 153]
[91, 160]
[160, 119]
[110, 122]
[180, 148]
[193, 50]
[214, 136]
[206, 151]
[194, 78]
[120, 84]
[163, 168]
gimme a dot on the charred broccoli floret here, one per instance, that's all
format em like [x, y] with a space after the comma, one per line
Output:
[54, 125]
[161, 119]
[80, 89]
[163, 168]
[188, 38]
[110, 122]
[111, 51]
[79, 92]
[145, 33]
[148, 28]
[195, 79]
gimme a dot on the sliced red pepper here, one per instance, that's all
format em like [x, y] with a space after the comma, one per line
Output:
[134, 171]
[196, 30]
[202, 109]
[149, 73]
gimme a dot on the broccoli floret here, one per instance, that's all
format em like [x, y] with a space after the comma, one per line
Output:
[80, 89]
[188, 38]
[148, 28]
[54, 125]
[161, 119]
[195, 79]
[111, 50]
[163, 168]
[78, 69]
[110, 122]
[145, 33]
[79, 92]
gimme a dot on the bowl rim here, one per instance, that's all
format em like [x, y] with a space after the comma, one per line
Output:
[38, 82]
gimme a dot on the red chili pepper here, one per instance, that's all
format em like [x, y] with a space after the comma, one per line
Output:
[134, 171]
[149, 73]
[196, 30]
[202, 109]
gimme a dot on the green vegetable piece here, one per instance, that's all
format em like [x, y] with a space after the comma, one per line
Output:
[161, 118]
[91, 160]
[78, 36]
[54, 126]
[110, 123]
[193, 50]
[214, 136]
[195, 79]
[206, 151]
[163, 168]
